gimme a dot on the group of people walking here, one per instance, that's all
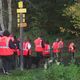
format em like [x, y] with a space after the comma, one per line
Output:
[10, 51]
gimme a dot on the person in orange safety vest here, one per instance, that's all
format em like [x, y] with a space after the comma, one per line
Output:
[46, 50]
[6, 51]
[56, 50]
[39, 45]
[26, 53]
[61, 44]
[71, 49]
[15, 56]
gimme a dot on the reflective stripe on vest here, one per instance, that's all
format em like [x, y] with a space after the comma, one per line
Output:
[4, 47]
[7, 42]
[46, 50]
[25, 46]
[39, 45]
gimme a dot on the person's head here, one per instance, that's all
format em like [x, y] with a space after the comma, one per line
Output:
[72, 43]
[15, 37]
[11, 35]
[6, 33]
[57, 40]
[39, 37]
[28, 39]
[61, 39]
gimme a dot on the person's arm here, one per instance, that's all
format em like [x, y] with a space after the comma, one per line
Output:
[18, 44]
[29, 46]
[11, 45]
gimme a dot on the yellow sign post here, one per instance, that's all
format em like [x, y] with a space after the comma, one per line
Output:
[23, 10]
[21, 24]
[20, 4]
[21, 15]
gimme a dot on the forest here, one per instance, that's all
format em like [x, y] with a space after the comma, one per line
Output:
[49, 19]
[45, 17]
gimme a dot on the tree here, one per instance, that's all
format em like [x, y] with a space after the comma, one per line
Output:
[10, 15]
[6, 15]
[1, 17]
[72, 13]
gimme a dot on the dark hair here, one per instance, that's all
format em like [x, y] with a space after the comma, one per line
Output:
[6, 33]
[47, 41]
[43, 44]
[15, 37]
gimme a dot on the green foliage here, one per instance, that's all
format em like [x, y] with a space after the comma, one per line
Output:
[55, 72]
[71, 72]
[45, 15]
[72, 12]
[60, 72]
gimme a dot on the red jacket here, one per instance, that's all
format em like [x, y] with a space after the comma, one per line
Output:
[4, 47]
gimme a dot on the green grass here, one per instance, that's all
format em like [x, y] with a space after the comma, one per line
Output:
[54, 72]
[35, 74]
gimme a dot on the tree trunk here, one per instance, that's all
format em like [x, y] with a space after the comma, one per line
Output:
[10, 16]
[1, 17]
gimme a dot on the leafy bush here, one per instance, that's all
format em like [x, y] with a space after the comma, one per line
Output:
[60, 72]
[72, 16]
[54, 72]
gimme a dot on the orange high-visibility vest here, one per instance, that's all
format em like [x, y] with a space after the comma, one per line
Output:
[71, 48]
[0, 37]
[55, 47]
[11, 37]
[46, 50]
[61, 44]
[25, 49]
[38, 45]
[4, 47]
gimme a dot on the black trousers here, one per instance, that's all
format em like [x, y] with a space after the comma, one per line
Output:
[57, 56]
[39, 57]
[27, 62]
[7, 62]
[71, 55]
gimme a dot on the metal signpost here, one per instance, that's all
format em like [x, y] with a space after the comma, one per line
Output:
[21, 24]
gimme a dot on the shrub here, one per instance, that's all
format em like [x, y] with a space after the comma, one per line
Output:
[60, 72]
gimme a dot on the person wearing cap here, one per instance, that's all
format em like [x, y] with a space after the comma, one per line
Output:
[6, 51]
